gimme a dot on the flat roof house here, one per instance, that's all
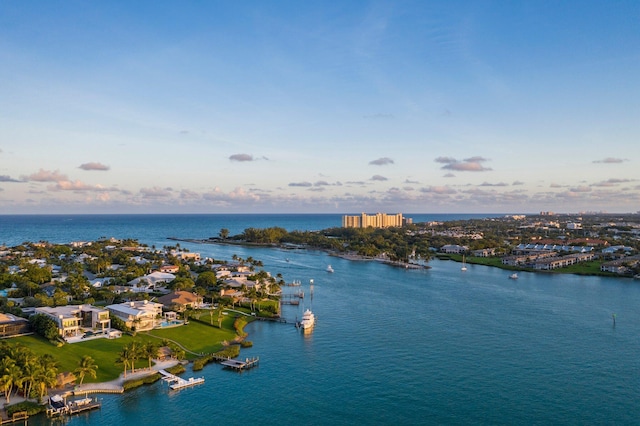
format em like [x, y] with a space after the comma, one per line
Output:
[138, 315]
[72, 320]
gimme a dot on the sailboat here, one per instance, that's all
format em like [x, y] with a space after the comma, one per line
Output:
[464, 265]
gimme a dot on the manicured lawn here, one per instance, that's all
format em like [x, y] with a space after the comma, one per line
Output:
[194, 336]
[198, 337]
[103, 351]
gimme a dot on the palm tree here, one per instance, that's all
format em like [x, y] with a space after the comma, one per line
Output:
[150, 351]
[134, 354]
[124, 358]
[10, 375]
[47, 378]
[86, 366]
[29, 373]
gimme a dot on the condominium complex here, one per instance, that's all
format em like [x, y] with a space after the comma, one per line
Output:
[378, 220]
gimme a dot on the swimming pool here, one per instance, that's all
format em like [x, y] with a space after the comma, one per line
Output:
[171, 323]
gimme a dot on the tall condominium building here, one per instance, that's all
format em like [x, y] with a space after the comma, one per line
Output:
[378, 220]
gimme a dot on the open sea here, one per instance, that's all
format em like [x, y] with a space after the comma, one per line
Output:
[391, 346]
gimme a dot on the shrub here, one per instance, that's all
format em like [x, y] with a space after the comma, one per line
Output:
[230, 351]
[30, 407]
[176, 369]
[134, 383]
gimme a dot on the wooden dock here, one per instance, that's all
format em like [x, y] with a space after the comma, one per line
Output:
[239, 365]
[61, 408]
[292, 298]
[18, 416]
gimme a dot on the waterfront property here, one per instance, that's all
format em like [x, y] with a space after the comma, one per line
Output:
[181, 300]
[74, 321]
[140, 315]
[10, 326]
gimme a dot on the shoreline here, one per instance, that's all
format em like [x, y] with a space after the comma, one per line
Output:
[398, 264]
[346, 256]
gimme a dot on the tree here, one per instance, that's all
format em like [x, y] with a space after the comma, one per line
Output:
[150, 351]
[207, 279]
[87, 366]
[46, 379]
[224, 233]
[10, 375]
[124, 358]
[44, 326]
[30, 370]
[220, 317]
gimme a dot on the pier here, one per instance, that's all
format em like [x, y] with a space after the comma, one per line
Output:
[292, 298]
[58, 407]
[20, 415]
[239, 365]
[177, 383]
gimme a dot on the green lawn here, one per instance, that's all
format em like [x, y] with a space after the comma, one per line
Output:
[194, 336]
[198, 337]
[103, 351]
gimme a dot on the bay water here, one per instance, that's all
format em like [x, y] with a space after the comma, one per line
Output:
[391, 346]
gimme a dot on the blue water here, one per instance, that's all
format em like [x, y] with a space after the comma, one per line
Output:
[395, 346]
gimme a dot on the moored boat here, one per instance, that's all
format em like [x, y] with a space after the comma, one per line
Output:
[329, 268]
[514, 276]
[308, 320]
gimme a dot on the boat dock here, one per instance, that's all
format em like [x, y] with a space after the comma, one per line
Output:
[239, 365]
[20, 415]
[177, 383]
[58, 407]
[292, 298]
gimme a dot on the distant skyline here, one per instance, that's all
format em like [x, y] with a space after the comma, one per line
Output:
[319, 107]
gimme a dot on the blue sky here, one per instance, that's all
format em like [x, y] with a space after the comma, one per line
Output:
[289, 106]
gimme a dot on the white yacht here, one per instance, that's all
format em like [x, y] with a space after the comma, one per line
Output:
[329, 268]
[514, 276]
[308, 320]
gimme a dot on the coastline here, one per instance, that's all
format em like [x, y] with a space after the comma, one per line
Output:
[117, 385]
[346, 256]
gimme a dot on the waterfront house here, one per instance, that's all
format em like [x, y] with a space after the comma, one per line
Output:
[73, 320]
[181, 300]
[454, 248]
[11, 326]
[486, 252]
[139, 315]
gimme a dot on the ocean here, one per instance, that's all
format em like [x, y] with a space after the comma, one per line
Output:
[391, 346]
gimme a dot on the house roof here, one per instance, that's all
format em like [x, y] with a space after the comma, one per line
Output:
[178, 297]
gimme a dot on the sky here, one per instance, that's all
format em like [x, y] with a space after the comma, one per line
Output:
[319, 107]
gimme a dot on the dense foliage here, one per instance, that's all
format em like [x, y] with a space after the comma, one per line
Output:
[21, 368]
[44, 326]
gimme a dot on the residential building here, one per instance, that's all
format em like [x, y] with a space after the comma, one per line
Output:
[72, 320]
[454, 248]
[11, 325]
[138, 315]
[378, 220]
[181, 300]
